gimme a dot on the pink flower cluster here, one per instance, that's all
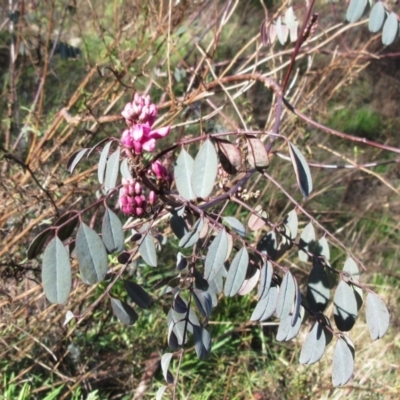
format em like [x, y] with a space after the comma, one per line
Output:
[140, 115]
[132, 200]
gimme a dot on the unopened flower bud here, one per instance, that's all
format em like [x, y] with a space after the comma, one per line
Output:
[139, 201]
[138, 188]
[139, 211]
[152, 198]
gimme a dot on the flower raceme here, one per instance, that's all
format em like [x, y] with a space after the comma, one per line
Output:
[140, 115]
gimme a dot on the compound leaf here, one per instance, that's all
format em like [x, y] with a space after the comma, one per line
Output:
[237, 272]
[345, 306]
[206, 167]
[138, 294]
[56, 272]
[112, 170]
[378, 317]
[112, 232]
[343, 363]
[124, 312]
[301, 170]
[92, 255]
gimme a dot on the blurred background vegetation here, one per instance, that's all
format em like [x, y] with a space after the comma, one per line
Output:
[67, 68]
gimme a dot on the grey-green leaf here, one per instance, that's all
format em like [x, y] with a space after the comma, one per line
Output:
[205, 170]
[165, 361]
[202, 342]
[191, 238]
[178, 225]
[323, 248]
[237, 272]
[345, 306]
[266, 306]
[307, 238]
[74, 159]
[378, 317]
[289, 326]
[112, 232]
[103, 162]
[292, 223]
[236, 225]
[183, 175]
[351, 268]
[160, 392]
[124, 312]
[301, 170]
[138, 294]
[265, 279]
[318, 292]
[203, 302]
[125, 170]
[147, 250]
[92, 255]
[343, 363]
[390, 29]
[314, 345]
[356, 10]
[286, 296]
[112, 170]
[56, 272]
[376, 17]
[38, 242]
[216, 255]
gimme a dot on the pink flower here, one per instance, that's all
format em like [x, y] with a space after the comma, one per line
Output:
[140, 137]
